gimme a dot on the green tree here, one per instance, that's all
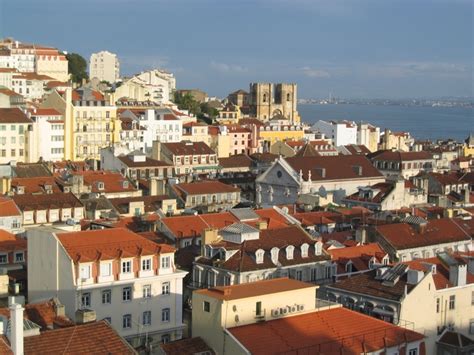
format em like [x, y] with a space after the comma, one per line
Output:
[187, 102]
[77, 67]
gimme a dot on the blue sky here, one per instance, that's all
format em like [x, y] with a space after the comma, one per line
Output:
[353, 48]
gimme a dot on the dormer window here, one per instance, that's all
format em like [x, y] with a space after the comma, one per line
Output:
[304, 250]
[274, 252]
[318, 248]
[349, 266]
[259, 256]
[371, 263]
[85, 272]
[126, 267]
[289, 252]
[100, 185]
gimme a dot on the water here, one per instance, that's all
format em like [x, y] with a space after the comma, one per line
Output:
[421, 122]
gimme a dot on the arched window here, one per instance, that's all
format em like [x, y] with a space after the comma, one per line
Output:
[264, 98]
[288, 97]
[318, 248]
[259, 256]
[275, 251]
[304, 250]
[289, 252]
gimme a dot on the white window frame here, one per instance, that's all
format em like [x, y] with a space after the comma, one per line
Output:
[146, 291]
[165, 288]
[165, 315]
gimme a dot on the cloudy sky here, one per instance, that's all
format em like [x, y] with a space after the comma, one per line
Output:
[352, 48]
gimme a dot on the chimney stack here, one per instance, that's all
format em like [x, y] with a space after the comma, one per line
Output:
[16, 329]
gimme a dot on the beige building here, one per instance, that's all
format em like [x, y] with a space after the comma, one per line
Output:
[104, 66]
[284, 316]
[401, 141]
[268, 100]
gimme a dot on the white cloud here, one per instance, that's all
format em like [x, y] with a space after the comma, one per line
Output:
[228, 68]
[315, 73]
[410, 69]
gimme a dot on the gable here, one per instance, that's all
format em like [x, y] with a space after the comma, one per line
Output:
[280, 173]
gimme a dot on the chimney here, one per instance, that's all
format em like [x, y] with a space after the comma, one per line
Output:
[208, 237]
[361, 234]
[458, 274]
[16, 331]
[262, 225]
[85, 316]
[414, 276]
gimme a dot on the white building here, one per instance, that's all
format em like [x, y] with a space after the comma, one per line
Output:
[104, 66]
[14, 130]
[125, 278]
[47, 135]
[341, 132]
[159, 85]
[160, 125]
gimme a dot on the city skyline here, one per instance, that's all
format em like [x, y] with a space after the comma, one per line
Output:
[368, 49]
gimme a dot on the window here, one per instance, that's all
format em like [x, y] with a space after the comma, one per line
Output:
[438, 305]
[259, 256]
[106, 296]
[126, 267]
[165, 262]
[304, 250]
[165, 338]
[299, 275]
[289, 252]
[413, 352]
[127, 321]
[146, 264]
[105, 269]
[126, 294]
[146, 320]
[452, 301]
[19, 257]
[314, 274]
[85, 271]
[146, 291]
[165, 315]
[206, 306]
[3, 258]
[165, 288]
[86, 299]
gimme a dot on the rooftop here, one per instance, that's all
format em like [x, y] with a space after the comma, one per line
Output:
[13, 115]
[206, 187]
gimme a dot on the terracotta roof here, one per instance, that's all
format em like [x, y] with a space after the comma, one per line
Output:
[264, 157]
[31, 170]
[54, 83]
[8, 207]
[46, 112]
[332, 331]
[383, 189]
[437, 231]
[250, 121]
[371, 249]
[107, 244]
[113, 181]
[35, 185]
[340, 167]
[9, 92]
[188, 148]
[307, 150]
[10, 243]
[30, 202]
[206, 187]
[317, 218]
[151, 203]
[355, 149]
[142, 164]
[32, 76]
[447, 178]
[190, 346]
[90, 338]
[389, 155]
[236, 161]
[254, 289]
[13, 115]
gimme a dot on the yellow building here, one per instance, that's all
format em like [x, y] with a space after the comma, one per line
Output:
[468, 148]
[230, 114]
[272, 133]
[91, 122]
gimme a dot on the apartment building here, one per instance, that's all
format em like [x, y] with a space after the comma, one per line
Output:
[341, 132]
[30, 85]
[124, 278]
[104, 66]
[394, 164]
[47, 136]
[284, 316]
[15, 129]
[10, 216]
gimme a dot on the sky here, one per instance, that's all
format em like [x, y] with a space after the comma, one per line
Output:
[350, 48]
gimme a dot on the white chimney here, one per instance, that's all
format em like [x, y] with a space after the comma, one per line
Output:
[16, 328]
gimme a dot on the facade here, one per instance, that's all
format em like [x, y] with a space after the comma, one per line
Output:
[15, 130]
[400, 141]
[268, 100]
[387, 196]
[13, 254]
[395, 164]
[207, 196]
[368, 136]
[104, 66]
[286, 179]
[271, 133]
[125, 278]
[10, 216]
[47, 135]
[187, 157]
[341, 132]
[196, 132]
[240, 253]
[281, 316]
[153, 85]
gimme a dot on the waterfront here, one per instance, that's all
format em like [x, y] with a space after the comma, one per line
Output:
[421, 122]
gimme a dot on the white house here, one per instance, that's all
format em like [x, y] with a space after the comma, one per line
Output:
[125, 278]
[341, 132]
[104, 66]
[47, 135]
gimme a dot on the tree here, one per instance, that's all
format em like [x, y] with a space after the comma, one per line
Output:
[77, 67]
[187, 102]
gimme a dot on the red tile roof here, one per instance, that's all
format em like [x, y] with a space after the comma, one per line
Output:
[254, 289]
[113, 181]
[107, 244]
[9, 92]
[317, 218]
[236, 161]
[437, 231]
[189, 148]
[389, 155]
[340, 167]
[10, 243]
[13, 115]
[90, 338]
[189, 346]
[46, 112]
[8, 207]
[30, 202]
[332, 331]
[142, 164]
[206, 187]
[35, 185]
